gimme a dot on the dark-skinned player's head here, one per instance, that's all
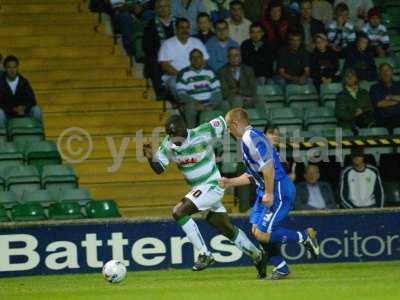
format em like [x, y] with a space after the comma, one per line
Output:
[176, 128]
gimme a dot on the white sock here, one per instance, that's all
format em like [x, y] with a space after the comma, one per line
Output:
[243, 243]
[194, 236]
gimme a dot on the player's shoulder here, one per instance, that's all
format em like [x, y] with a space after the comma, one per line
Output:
[251, 135]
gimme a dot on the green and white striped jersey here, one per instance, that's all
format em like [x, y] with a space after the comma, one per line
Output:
[195, 158]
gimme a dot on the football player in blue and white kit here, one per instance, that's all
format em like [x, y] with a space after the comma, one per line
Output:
[275, 193]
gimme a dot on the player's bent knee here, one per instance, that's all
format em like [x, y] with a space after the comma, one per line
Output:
[262, 237]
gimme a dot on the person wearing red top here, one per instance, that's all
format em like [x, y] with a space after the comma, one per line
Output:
[276, 26]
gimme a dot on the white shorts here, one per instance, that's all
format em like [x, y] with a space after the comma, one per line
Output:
[207, 197]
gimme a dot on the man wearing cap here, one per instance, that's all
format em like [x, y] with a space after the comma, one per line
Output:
[377, 32]
[360, 184]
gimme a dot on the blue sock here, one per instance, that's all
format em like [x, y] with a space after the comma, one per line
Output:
[279, 263]
[283, 235]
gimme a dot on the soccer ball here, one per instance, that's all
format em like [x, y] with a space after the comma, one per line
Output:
[114, 271]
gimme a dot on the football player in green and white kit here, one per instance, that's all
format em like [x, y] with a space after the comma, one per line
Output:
[193, 152]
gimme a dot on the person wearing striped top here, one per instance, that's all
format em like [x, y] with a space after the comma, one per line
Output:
[377, 33]
[192, 150]
[198, 89]
[341, 33]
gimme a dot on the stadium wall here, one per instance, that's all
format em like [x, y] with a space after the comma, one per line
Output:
[148, 244]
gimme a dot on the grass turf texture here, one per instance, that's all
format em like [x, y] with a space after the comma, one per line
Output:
[318, 281]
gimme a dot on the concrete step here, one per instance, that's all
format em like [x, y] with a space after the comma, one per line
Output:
[19, 30]
[89, 84]
[84, 40]
[59, 2]
[39, 8]
[50, 19]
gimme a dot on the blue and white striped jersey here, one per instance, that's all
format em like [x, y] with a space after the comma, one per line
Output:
[258, 152]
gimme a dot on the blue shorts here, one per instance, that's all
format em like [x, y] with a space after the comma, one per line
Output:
[266, 219]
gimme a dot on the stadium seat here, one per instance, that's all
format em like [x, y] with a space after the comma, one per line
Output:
[8, 199]
[272, 94]
[332, 132]
[42, 153]
[25, 130]
[286, 117]
[102, 209]
[366, 85]
[3, 134]
[328, 93]
[392, 193]
[373, 131]
[22, 178]
[28, 212]
[206, 116]
[319, 118]
[389, 166]
[3, 215]
[65, 211]
[302, 96]
[42, 197]
[81, 196]
[256, 119]
[59, 177]
[9, 155]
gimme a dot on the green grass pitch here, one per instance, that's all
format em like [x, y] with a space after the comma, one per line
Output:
[364, 281]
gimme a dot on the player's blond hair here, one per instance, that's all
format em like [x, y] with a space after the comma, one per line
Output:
[238, 115]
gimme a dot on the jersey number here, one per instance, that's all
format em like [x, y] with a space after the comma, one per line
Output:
[197, 193]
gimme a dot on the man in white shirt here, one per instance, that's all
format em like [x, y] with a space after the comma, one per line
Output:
[174, 53]
[239, 26]
[17, 98]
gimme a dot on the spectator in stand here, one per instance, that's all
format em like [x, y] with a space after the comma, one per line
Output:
[217, 9]
[255, 10]
[159, 29]
[239, 83]
[17, 98]
[385, 97]
[257, 54]
[199, 89]
[322, 11]
[313, 193]
[358, 11]
[377, 33]
[308, 25]
[218, 46]
[204, 28]
[324, 61]
[353, 105]
[276, 26]
[360, 184]
[360, 58]
[239, 26]
[188, 9]
[293, 63]
[341, 33]
[174, 53]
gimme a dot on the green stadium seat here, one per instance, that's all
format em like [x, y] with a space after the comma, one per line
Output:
[28, 212]
[319, 118]
[366, 85]
[286, 115]
[256, 119]
[22, 178]
[65, 211]
[25, 129]
[81, 196]
[388, 60]
[272, 94]
[331, 132]
[3, 214]
[374, 131]
[42, 153]
[328, 93]
[3, 134]
[102, 209]
[59, 177]
[42, 197]
[302, 96]
[8, 199]
[392, 193]
[10, 155]
[207, 116]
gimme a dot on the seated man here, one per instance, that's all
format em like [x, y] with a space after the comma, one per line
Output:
[17, 98]
[238, 25]
[313, 193]
[198, 89]
[385, 97]
[174, 53]
[188, 10]
[239, 83]
[204, 28]
[361, 185]
[257, 54]
[361, 59]
[293, 62]
[377, 33]
[218, 45]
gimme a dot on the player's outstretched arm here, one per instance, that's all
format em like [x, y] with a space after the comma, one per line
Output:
[243, 179]
[268, 172]
[148, 153]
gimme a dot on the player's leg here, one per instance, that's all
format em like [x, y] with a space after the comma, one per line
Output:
[182, 215]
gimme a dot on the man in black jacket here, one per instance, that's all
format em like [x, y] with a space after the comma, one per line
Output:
[17, 98]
